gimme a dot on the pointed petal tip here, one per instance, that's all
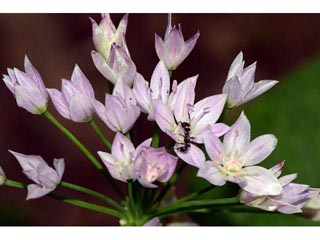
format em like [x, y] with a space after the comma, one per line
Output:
[93, 22]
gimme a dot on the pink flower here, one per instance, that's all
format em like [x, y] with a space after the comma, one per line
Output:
[35, 168]
[118, 65]
[74, 100]
[293, 197]
[173, 50]
[159, 89]
[120, 111]
[233, 160]
[120, 162]
[240, 85]
[154, 164]
[28, 88]
[105, 34]
[187, 122]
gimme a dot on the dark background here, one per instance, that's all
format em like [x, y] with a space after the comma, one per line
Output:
[286, 47]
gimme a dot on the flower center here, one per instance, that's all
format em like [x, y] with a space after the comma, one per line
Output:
[232, 166]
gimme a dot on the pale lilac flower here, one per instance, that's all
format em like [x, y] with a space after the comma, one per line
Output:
[197, 118]
[173, 50]
[74, 100]
[159, 89]
[154, 164]
[154, 222]
[120, 162]
[240, 85]
[233, 160]
[105, 34]
[119, 65]
[3, 177]
[28, 88]
[293, 197]
[45, 178]
[120, 111]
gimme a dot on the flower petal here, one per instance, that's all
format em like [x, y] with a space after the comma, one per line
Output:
[277, 169]
[164, 118]
[37, 191]
[58, 103]
[81, 109]
[103, 67]
[259, 88]
[142, 93]
[235, 92]
[238, 137]
[259, 149]
[236, 66]
[247, 78]
[285, 180]
[35, 75]
[110, 162]
[59, 165]
[211, 173]
[30, 99]
[259, 181]
[160, 83]
[123, 90]
[193, 156]
[205, 113]
[122, 147]
[214, 147]
[81, 82]
[184, 99]
[188, 46]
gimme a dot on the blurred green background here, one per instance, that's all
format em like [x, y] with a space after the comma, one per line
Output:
[287, 49]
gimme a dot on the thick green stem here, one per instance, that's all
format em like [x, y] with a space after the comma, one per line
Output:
[95, 127]
[84, 150]
[93, 194]
[194, 205]
[72, 201]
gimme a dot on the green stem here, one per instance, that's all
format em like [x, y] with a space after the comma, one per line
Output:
[95, 127]
[156, 136]
[84, 150]
[169, 184]
[87, 205]
[195, 194]
[194, 205]
[93, 194]
[74, 140]
[131, 199]
[15, 184]
[71, 201]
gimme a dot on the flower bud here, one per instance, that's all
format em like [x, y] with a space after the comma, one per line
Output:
[28, 88]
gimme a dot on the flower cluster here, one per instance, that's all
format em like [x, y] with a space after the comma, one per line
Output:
[199, 136]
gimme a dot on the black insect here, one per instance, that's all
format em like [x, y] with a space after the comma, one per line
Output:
[186, 137]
